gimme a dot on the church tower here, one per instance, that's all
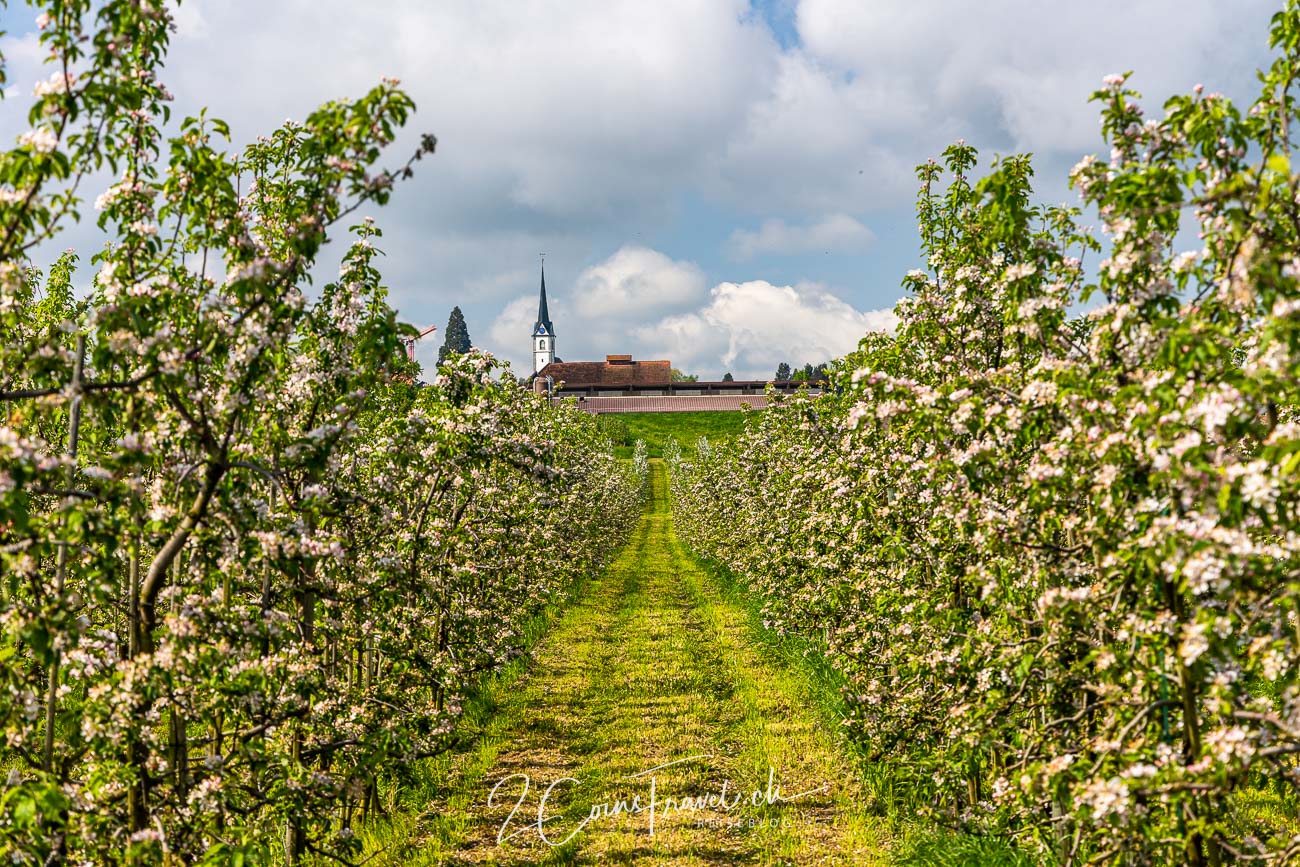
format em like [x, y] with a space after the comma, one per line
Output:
[543, 332]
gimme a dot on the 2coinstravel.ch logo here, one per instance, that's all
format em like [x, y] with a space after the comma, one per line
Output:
[653, 803]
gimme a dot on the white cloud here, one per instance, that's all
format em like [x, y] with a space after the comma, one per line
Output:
[575, 127]
[591, 110]
[510, 333]
[874, 88]
[637, 282]
[838, 232]
[596, 312]
[576, 111]
[25, 66]
[746, 328]
[816, 143]
[750, 328]
[574, 117]
[189, 19]
[556, 123]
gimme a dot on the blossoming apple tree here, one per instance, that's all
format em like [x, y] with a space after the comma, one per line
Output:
[1048, 530]
[248, 568]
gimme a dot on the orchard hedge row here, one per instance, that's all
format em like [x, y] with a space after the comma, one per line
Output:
[248, 568]
[1048, 529]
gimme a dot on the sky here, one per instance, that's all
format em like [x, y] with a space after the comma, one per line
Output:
[722, 183]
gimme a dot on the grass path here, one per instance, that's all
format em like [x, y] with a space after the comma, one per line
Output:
[657, 428]
[653, 666]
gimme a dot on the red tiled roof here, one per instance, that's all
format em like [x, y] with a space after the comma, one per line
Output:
[621, 372]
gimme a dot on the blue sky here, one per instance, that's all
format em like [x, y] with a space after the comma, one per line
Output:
[721, 183]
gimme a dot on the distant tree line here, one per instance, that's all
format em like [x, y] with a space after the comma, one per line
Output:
[784, 373]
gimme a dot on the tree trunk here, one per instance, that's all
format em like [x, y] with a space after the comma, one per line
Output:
[61, 567]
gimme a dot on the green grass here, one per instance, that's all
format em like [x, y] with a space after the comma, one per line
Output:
[1264, 812]
[913, 843]
[665, 656]
[657, 428]
[921, 848]
[653, 665]
[479, 732]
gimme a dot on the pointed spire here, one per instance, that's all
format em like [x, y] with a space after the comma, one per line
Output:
[543, 315]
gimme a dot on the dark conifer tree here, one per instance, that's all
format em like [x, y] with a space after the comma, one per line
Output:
[457, 336]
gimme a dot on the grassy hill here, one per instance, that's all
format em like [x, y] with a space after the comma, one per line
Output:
[657, 428]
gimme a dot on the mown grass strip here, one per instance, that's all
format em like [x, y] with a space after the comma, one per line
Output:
[657, 428]
[653, 665]
[818, 684]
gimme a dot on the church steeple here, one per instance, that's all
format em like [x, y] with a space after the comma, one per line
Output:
[543, 325]
[543, 331]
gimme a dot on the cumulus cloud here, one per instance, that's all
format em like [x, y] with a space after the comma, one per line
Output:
[575, 127]
[749, 328]
[511, 329]
[592, 109]
[636, 282]
[872, 89]
[576, 111]
[595, 313]
[558, 125]
[838, 232]
[746, 328]
[1033, 64]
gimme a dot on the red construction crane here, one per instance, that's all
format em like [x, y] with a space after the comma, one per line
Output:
[410, 341]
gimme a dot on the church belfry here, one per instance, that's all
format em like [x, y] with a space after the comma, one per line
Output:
[543, 332]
